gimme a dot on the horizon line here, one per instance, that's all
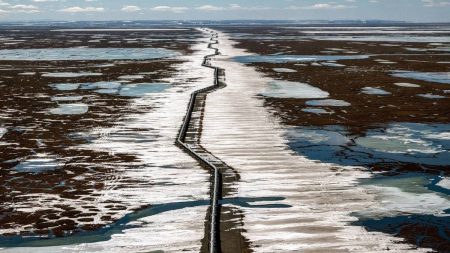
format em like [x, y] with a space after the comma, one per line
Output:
[232, 20]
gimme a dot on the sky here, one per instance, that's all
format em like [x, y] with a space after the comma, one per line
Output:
[399, 10]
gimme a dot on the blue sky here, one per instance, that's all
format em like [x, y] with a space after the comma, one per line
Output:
[407, 10]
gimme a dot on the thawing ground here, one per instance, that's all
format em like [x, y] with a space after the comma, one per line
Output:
[308, 190]
[170, 186]
[353, 135]
[323, 197]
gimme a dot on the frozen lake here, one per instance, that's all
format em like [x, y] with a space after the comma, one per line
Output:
[80, 54]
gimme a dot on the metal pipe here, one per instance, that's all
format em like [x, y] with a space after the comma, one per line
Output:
[214, 243]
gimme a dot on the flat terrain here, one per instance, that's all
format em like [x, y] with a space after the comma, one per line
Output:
[329, 138]
[50, 178]
[376, 97]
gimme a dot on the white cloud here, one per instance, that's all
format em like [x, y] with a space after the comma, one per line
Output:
[322, 6]
[130, 8]
[230, 7]
[435, 3]
[18, 8]
[168, 8]
[43, 1]
[77, 9]
[24, 8]
[162, 8]
[209, 8]
[235, 7]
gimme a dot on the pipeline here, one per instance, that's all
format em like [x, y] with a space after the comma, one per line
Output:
[214, 242]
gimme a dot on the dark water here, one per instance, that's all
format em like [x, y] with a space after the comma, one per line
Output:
[426, 144]
[297, 58]
[55, 54]
[416, 205]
